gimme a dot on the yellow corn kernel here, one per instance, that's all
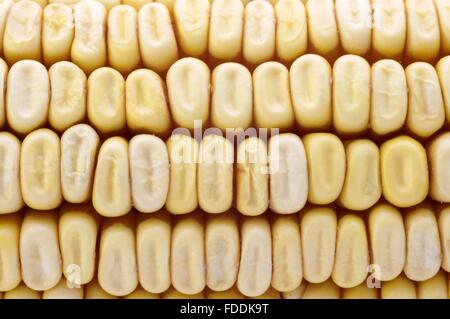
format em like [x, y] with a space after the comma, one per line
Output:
[322, 27]
[399, 288]
[443, 13]
[252, 195]
[111, 195]
[291, 29]
[106, 100]
[423, 36]
[22, 292]
[269, 294]
[354, 20]
[3, 80]
[27, 96]
[232, 293]
[10, 275]
[297, 293]
[39, 250]
[288, 174]
[433, 288]
[438, 151]
[259, 32]
[77, 230]
[444, 232]
[362, 186]
[153, 251]
[222, 251]
[183, 156]
[215, 174]
[57, 33]
[404, 171]
[360, 292]
[443, 71]
[255, 269]
[426, 112]
[325, 155]
[388, 241]
[187, 260]
[79, 146]
[157, 42]
[389, 97]
[172, 293]
[89, 43]
[40, 170]
[149, 172]
[141, 293]
[226, 29]
[287, 271]
[389, 28]
[310, 86]
[63, 291]
[231, 97]
[192, 25]
[22, 38]
[117, 266]
[146, 103]
[5, 8]
[188, 82]
[122, 39]
[137, 4]
[318, 236]
[423, 247]
[94, 291]
[272, 100]
[10, 192]
[351, 95]
[324, 290]
[67, 96]
[352, 252]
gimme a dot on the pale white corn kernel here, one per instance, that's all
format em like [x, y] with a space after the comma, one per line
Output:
[443, 71]
[63, 291]
[443, 13]
[438, 151]
[3, 81]
[172, 293]
[444, 232]
[232, 293]
[297, 293]
[5, 8]
[10, 275]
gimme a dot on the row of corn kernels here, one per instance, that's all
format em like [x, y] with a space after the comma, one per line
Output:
[352, 97]
[195, 251]
[226, 30]
[182, 174]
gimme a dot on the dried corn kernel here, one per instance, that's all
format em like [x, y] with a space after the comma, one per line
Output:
[288, 174]
[122, 41]
[443, 71]
[231, 96]
[22, 292]
[157, 42]
[215, 174]
[443, 13]
[252, 186]
[62, 291]
[10, 275]
[111, 194]
[147, 107]
[438, 158]
[269, 294]
[68, 95]
[79, 146]
[40, 170]
[444, 232]
[39, 250]
[117, 267]
[187, 262]
[351, 95]
[141, 293]
[232, 293]
[272, 100]
[433, 288]
[318, 237]
[172, 293]
[27, 96]
[399, 288]
[310, 86]
[3, 80]
[297, 293]
[226, 29]
[362, 186]
[222, 251]
[22, 37]
[57, 33]
[360, 292]
[5, 8]
[404, 171]
[94, 291]
[325, 155]
[324, 290]
[10, 190]
[149, 172]
[259, 32]
[255, 269]
[153, 236]
[387, 241]
[183, 156]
